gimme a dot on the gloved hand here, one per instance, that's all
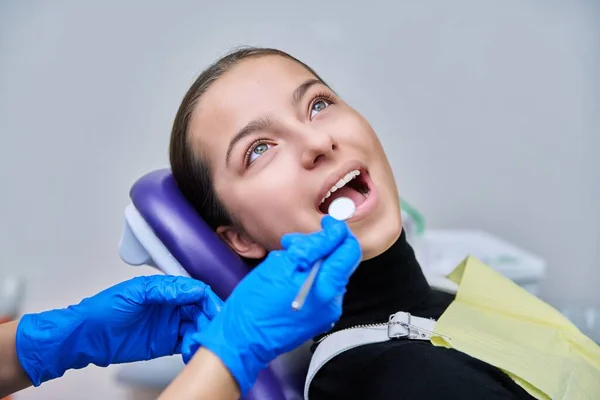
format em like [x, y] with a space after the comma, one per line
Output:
[139, 319]
[257, 322]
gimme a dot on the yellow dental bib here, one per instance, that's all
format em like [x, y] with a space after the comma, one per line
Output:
[496, 321]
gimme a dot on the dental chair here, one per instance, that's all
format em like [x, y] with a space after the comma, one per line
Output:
[164, 231]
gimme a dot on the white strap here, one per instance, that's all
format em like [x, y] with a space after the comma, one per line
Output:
[400, 325]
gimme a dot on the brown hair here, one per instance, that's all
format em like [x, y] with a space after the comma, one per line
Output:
[190, 170]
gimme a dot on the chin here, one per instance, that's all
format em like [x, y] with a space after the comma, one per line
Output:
[377, 237]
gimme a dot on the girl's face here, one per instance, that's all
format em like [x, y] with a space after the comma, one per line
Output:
[277, 141]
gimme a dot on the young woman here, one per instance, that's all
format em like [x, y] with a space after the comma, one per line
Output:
[260, 146]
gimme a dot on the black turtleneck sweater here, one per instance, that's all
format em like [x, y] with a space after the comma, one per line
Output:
[402, 368]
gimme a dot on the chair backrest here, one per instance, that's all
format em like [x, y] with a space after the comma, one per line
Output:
[163, 230]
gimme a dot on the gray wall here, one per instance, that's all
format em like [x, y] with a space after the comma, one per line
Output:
[488, 110]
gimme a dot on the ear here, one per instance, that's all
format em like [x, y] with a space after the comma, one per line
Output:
[241, 243]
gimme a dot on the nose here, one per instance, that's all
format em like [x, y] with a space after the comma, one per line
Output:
[316, 147]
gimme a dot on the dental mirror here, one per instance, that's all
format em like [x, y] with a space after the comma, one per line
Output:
[342, 208]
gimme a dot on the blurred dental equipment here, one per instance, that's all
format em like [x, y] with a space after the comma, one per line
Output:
[11, 297]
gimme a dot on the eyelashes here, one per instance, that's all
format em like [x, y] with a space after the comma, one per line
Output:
[321, 96]
[252, 148]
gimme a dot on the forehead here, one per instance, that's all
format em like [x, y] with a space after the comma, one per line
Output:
[255, 87]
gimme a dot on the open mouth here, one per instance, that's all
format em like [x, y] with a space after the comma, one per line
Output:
[354, 185]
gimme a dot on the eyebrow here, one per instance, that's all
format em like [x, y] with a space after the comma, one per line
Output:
[302, 89]
[261, 124]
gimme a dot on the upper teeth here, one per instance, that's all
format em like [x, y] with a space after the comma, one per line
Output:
[347, 178]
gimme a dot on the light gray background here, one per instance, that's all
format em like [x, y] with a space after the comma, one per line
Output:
[487, 109]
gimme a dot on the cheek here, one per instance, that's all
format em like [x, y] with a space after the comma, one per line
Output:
[264, 207]
[352, 124]
[358, 133]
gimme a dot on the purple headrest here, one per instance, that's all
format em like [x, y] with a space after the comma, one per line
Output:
[179, 227]
[197, 248]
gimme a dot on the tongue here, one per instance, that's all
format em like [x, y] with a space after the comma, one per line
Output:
[346, 191]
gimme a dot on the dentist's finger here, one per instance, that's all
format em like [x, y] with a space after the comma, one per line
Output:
[328, 224]
[305, 251]
[173, 290]
[336, 270]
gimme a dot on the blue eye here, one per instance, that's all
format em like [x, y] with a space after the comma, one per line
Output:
[317, 107]
[257, 150]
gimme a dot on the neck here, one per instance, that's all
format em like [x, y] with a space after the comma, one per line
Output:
[393, 281]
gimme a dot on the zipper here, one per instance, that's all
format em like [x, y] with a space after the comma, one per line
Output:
[408, 326]
[369, 326]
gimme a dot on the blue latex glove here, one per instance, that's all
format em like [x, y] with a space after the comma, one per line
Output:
[139, 319]
[257, 322]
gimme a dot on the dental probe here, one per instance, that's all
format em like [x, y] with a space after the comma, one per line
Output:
[341, 209]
